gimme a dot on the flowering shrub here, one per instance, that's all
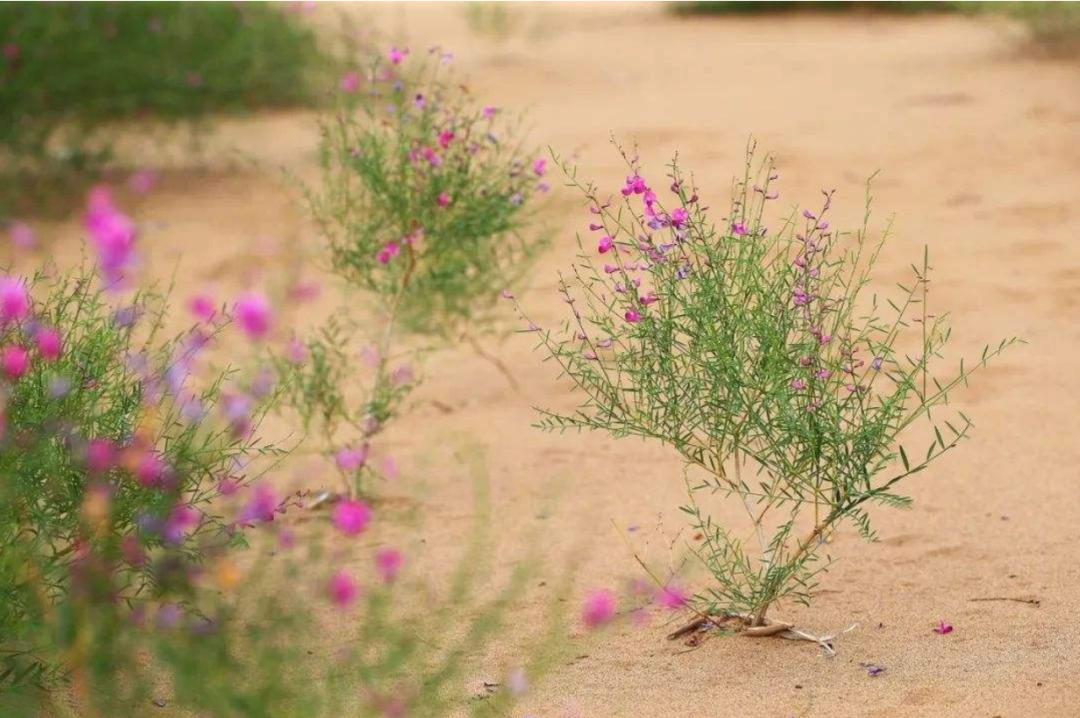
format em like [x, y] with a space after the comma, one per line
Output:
[753, 350]
[422, 203]
[69, 69]
[113, 440]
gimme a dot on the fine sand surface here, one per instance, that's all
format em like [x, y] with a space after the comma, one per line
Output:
[979, 148]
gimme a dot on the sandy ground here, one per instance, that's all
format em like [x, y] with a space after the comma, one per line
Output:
[981, 161]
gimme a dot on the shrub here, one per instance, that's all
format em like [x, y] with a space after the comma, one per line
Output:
[754, 350]
[70, 70]
[422, 204]
[115, 441]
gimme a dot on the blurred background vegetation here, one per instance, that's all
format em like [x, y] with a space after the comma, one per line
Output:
[69, 71]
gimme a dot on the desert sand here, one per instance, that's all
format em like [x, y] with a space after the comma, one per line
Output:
[979, 150]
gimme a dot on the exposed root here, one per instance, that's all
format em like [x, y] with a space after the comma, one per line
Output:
[780, 629]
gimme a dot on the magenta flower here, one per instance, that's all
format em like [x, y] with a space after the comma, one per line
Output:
[599, 608]
[738, 229]
[679, 217]
[943, 628]
[648, 299]
[610, 269]
[202, 307]
[150, 470]
[14, 300]
[634, 185]
[49, 344]
[445, 138]
[112, 234]
[605, 244]
[540, 167]
[21, 235]
[350, 82]
[100, 455]
[180, 522]
[388, 563]
[632, 316]
[443, 200]
[349, 460]
[798, 384]
[671, 597]
[342, 589]
[253, 314]
[822, 374]
[489, 112]
[261, 506]
[387, 253]
[351, 517]
[15, 361]
[397, 56]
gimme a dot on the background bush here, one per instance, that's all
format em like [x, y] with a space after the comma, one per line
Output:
[69, 69]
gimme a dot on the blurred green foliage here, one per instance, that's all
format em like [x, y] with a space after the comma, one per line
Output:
[67, 70]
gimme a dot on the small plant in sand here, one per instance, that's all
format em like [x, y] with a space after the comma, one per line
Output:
[422, 203]
[754, 350]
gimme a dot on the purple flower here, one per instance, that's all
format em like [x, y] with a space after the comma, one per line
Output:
[599, 608]
[352, 517]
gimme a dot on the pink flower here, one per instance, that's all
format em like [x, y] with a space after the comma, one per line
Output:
[100, 455]
[540, 167]
[49, 344]
[443, 200]
[798, 384]
[11, 52]
[648, 299]
[21, 235]
[180, 522]
[389, 468]
[15, 361]
[261, 506]
[387, 253]
[396, 56]
[342, 589]
[634, 185]
[822, 374]
[112, 234]
[943, 628]
[679, 217]
[14, 300]
[599, 608]
[350, 82]
[632, 316]
[350, 460]
[150, 470]
[445, 138]
[605, 244]
[295, 351]
[738, 229]
[252, 312]
[351, 517]
[671, 597]
[388, 562]
[489, 112]
[202, 307]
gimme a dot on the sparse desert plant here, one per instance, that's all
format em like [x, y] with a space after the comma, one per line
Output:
[70, 71]
[751, 346]
[422, 204]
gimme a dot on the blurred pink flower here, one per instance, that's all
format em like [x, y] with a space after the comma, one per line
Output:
[599, 608]
[671, 597]
[253, 314]
[943, 628]
[540, 167]
[396, 56]
[49, 344]
[261, 506]
[604, 245]
[388, 252]
[679, 217]
[21, 235]
[445, 138]
[100, 455]
[389, 468]
[181, 520]
[11, 52]
[388, 563]
[14, 300]
[351, 517]
[443, 199]
[150, 470]
[295, 351]
[738, 229]
[202, 307]
[632, 316]
[15, 361]
[350, 460]
[350, 82]
[489, 112]
[342, 589]
[112, 234]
